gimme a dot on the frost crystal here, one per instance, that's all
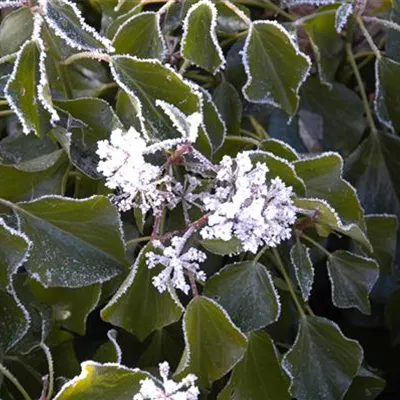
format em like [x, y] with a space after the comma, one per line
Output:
[176, 262]
[245, 205]
[170, 390]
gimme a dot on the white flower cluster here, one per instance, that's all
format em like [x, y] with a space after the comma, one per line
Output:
[170, 390]
[176, 263]
[123, 165]
[245, 205]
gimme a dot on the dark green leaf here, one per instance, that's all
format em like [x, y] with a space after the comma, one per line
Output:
[109, 351]
[387, 101]
[322, 362]
[327, 43]
[228, 102]
[373, 169]
[270, 49]
[34, 178]
[148, 81]
[352, 278]
[382, 232]
[199, 41]
[259, 374]
[140, 36]
[65, 251]
[15, 29]
[228, 21]
[392, 316]
[222, 247]
[22, 90]
[323, 178]
[365, 386]
[66, 21]
[213, 344]
[332, 119]
[245, 290]
[303, 267]
[138, 306]
[280, 149]
[71, 306]
[103, 382]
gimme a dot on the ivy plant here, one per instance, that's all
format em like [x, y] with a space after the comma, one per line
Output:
[199, 199]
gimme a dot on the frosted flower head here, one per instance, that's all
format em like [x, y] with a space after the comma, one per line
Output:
[168, 389]
[140, 183]
[247, 206]
[176, 262]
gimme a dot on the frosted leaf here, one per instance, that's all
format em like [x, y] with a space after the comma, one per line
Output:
[342, 15]
[303, 267]
[187, 126]
[211, 49]
[168, 389]
[67, 22]
[247, 206]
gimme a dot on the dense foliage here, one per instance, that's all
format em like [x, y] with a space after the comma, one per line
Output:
[199, 199]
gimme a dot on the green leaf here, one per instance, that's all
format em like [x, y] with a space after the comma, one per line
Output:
[109, 351]
[342, 15]
[222, 247]
[327, 44]
[365, 386]
[228, 21]
[326, 218]
[199, 40]
[259, 374]
[323, 178]
[392, 48]
[280, 149]
[67, 22]
[330, 118]
[232, 145]
[71, 306]
[322, 361]
[15, 29]
[14, 251]
[387, 101]
[65, 251]
[246, 291]
[103, 382]
[127, 109]
[303, 268]
[213, 121]
[352, 278]
[14, 318]
[141, 36]
[98, 120]
[373, 169]
[229, 105]
[22, 90]
[137, 306]
[148, 81]
[111, 24]
[279, 167]
[213, 344]
[34, 178]
[14, 321]
[382, 232]
[274, 66]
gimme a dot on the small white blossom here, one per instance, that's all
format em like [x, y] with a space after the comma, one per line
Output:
[123, 164]
[168, 389]
[176, 263]
[245, 205]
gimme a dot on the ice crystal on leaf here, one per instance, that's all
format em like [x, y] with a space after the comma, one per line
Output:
[170, 390]
[176, 262]
[248, 206]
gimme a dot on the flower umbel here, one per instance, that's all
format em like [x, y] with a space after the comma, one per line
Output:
[168, 389]
[176, 263]
[245, 205]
